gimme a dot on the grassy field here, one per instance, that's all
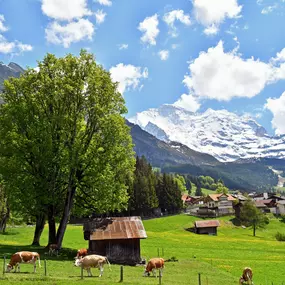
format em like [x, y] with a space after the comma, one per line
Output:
[220, 259]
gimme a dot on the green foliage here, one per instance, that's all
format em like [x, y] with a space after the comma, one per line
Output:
[280, 237]
[180, 180]
[64, 139]
[251, 216]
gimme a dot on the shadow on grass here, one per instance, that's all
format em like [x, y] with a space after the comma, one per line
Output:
[9, 233]
[65, 253]
[236, 222]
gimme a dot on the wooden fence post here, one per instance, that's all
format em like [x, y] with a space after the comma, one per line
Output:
[4, 265]
[45, 267]
[162, 251]
[158, 251]
[160, 276]
[81, 272]
[122, 273]
[199, 278]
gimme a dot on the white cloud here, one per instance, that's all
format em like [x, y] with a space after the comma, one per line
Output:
[176, 15]
[209, 12]
[218, 75]
[72, 32]
[65, 10]
[149, 29]
[6, 47]
[123, 46]
[188, 102]
[104, 2]
[277, 107]
[3, 28]
[24, 47]
[211, 30]
[128, 76]
[268, 9]
[14, 48]
[100, 16]
[175, 46]
[163, 54]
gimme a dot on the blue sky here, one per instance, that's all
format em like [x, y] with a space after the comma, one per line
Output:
[199, 54]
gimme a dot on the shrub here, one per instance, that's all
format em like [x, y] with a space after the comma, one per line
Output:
[280, 237]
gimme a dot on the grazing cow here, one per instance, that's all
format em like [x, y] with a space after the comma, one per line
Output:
[152, 265]
[23, 257]
[246, 277]
[53, 249]
[93, 260]
[81, 252]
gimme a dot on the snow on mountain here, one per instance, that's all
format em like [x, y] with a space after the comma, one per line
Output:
[220, 133]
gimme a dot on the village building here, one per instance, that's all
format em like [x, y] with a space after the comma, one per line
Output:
[118, 238]
[217, 205]
[280, 209]
[206, 227]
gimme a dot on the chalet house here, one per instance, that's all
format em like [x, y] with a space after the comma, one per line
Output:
[206, 227]
[118, 238]
[191, 200]
[219, 204]
[280, 209]
[266, 205]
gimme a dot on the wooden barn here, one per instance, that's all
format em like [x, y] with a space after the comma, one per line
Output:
[118, 238]
[206, 227]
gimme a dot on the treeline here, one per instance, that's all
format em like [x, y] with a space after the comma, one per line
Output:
[151, 189]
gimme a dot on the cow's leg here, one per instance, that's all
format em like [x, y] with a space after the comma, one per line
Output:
[101, 270]
[35, 267]
[18, 267]
[161, 271]
[154, 272]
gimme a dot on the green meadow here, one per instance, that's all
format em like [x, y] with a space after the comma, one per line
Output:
[220, 259]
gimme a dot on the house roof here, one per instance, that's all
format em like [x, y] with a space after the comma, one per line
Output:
[116, 228]
[260, 203]
[216, 197]
[207, 224]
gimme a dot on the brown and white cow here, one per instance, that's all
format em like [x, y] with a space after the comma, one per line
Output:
[53, 249]
[81, 253]
[152, 265]
[23, 257]
[92, 261]
[246, 277]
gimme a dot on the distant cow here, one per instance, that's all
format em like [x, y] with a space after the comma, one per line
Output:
[93, 260]
[152, 265]
[23, 257]
[246, 277]
[81, 252]
[53, 249]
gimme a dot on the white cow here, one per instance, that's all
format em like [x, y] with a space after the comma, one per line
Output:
[93, 260]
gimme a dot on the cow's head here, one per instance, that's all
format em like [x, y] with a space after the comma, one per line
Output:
[146, 272]
[9, 267]
[77, 261]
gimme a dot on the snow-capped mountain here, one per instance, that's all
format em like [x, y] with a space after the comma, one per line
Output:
[220, 133]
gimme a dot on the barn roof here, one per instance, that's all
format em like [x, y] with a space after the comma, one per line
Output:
[116, 228]
[207, 224]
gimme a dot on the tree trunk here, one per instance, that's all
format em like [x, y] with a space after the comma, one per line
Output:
[254, 229]
[65, 216]
[51, 226]
[4, 220]
[40, 224]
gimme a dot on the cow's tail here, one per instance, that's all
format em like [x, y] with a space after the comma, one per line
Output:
[109, 264]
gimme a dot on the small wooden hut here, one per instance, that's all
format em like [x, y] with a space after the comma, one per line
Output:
[118, 238]
[208, 227]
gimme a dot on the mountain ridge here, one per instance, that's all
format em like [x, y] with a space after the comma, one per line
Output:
[220, 133]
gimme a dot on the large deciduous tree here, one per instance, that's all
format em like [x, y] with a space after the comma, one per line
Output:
[63, 138]
[251, 216]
